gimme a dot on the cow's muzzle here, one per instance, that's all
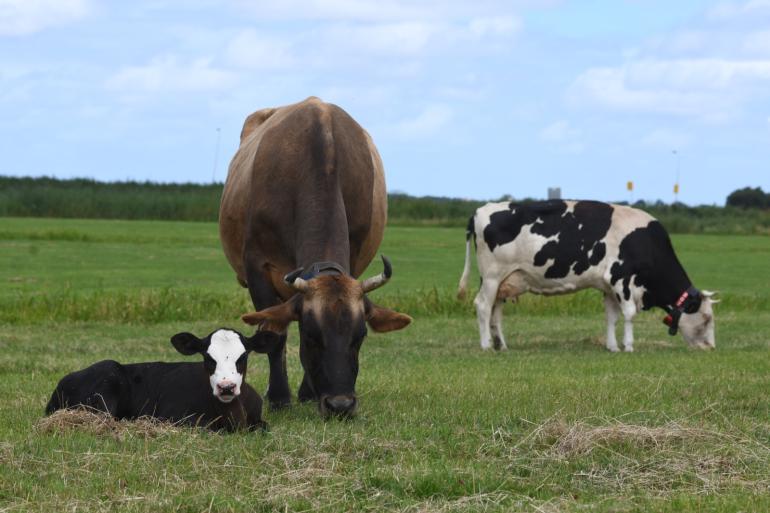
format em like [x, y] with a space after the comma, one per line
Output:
[226, 392]
[342, 406]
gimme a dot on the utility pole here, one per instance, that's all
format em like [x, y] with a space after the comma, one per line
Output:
[676, 183]
[216, 157]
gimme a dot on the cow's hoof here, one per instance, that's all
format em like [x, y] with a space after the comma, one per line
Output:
[614, 349]
[628, 349]
[278, 404]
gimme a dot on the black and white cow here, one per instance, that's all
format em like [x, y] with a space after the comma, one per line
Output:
[557, 247]
[210, 394]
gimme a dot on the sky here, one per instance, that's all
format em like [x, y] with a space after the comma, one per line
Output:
[473, 99]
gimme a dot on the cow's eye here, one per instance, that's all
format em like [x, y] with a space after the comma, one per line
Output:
[240, 363]
[209, 363]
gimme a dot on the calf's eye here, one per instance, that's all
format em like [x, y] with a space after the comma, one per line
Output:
[240, 363]
[209, 364]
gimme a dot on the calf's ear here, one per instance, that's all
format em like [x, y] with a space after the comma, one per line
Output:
[263, 342]
[383, 320]
[276, 318]
[187, 343]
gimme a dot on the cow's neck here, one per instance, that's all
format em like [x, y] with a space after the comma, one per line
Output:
[666, 283]
[322, 224]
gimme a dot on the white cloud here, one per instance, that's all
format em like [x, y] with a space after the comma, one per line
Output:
[384, 39]
[561, 134]
[711, 89]
[379, 11]
[21, 17]
[666, 139]
[557, 131]
[428, 122]
[498, 25]
[728, 10]
[166, 74]
[757, 43]
[414, 38]
[251, 50]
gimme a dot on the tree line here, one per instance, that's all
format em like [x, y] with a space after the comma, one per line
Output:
[746, 211]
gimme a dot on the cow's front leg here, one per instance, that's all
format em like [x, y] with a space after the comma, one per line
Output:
[306, 392]
[612, 310]
[278, 393]
[263, 295]
[629, 311]
[498, 342]
[484, 302]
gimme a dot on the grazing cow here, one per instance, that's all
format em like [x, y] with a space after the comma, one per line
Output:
[211, 394]
[558, 247]
[303, 212]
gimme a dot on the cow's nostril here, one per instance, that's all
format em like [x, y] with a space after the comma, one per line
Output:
[226, 389]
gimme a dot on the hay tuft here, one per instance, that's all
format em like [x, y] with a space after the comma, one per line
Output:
[95, 422]
[580, 439]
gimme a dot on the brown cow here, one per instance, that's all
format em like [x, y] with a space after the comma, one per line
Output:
[306, 190]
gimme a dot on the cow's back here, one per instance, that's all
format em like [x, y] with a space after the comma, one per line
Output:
[102, 386]
[288, 161]
[555, 246]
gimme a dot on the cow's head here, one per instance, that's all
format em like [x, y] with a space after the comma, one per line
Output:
[698, 327]
[332, 311]
[225, 353]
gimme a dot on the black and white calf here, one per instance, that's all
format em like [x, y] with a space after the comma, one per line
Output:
[210, 394]
[558, 247]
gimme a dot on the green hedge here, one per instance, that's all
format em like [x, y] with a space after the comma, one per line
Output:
[83, 198]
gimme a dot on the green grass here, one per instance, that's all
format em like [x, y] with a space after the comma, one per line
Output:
[554, 424]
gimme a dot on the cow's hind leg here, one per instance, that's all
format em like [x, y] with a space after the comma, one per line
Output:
[263, 295]
[612, 309]
[496, 324]
[484, 302]
[104, 387]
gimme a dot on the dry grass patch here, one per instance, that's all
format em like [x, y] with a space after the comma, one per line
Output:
[658, 459]
[100, 423]
[580, 438]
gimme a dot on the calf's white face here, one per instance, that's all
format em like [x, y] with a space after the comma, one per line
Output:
[225, 360]
[225, 353]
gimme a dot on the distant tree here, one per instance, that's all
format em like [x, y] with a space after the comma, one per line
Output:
[749, 198]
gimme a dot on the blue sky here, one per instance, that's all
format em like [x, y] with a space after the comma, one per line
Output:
[467, 99]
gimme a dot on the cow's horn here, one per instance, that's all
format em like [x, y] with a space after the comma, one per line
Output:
[295, 281]
[381, 279]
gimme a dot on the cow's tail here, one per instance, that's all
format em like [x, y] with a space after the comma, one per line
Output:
[462, 288]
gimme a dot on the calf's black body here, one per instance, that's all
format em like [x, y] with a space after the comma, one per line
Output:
[212, 393]
[174, 392]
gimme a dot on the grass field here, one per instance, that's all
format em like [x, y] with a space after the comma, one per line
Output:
[553, 424]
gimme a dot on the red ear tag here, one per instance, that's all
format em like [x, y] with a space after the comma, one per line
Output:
[668, 320]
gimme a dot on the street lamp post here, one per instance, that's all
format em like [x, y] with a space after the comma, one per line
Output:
[676, 183]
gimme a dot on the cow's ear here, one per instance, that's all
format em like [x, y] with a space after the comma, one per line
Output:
[383, 319]
[187, 343]
[276, 318]
[263, 342]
